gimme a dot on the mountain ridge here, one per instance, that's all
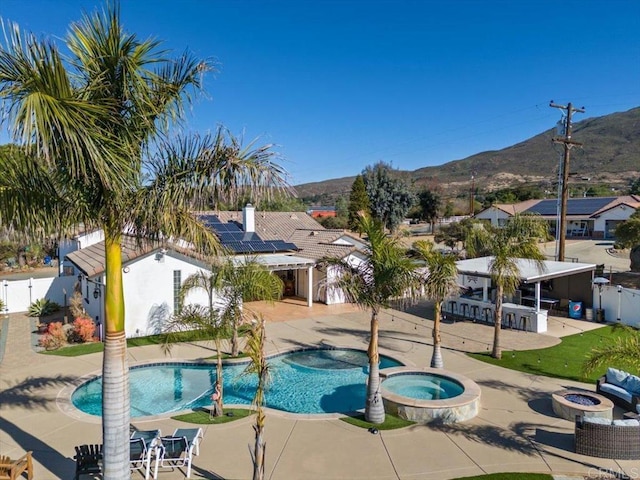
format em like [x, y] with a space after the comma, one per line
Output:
[610, 154]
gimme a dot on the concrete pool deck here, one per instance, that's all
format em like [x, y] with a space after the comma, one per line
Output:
[515, 429]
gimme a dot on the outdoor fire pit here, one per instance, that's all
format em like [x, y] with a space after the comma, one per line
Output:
[569, 403]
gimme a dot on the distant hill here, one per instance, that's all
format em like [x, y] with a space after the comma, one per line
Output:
[610, 155]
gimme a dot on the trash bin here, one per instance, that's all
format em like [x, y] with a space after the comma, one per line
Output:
[600, 315]
[575, 309]
[588, 314]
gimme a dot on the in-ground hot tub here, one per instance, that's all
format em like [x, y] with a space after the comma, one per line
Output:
[429, 394]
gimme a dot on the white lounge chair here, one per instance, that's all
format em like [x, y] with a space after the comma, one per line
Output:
[174, 452]
[151, 439]
[193, 436]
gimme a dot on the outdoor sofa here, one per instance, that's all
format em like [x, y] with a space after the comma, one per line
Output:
[600, 437]
[621, 387]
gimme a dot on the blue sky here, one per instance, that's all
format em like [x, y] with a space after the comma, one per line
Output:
[341, 84]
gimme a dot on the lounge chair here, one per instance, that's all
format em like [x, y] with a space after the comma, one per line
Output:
[151, 439]
[193, 436]
[174, 452]
[13, 469]
[88, 460]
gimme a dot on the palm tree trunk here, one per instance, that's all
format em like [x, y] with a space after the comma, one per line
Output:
[374, 409]
[436, 358]
[259, 447]
[115, 371]
[234, 339]
[497, 326]
[220, 399]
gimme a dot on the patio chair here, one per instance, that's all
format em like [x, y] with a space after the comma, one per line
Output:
[13, 469]
[174, 452]
[193, 436]
[88, 460]
[151, 439]
[139, 455]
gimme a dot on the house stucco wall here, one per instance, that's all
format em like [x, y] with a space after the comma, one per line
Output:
[496, 216]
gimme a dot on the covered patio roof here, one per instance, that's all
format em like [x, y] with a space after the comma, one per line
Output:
[277, 261]
[529, 270]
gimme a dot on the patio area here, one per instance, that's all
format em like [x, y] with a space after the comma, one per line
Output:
[516, 429]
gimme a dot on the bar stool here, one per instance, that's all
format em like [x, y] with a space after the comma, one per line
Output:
[464, 310]
[508, 319]
[453, 307]
[474, 312]
[486, 314]
[524, 320]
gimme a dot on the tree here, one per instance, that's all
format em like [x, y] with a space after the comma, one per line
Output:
[259, 366]
[429, 203]
[93, 125]
[454, 233]
[358, 202]
[517, 239]
[440, 282]
[622, 353]
[628, 236]
[384, 274]
[240, 283]
[634, 187]
[389, 197]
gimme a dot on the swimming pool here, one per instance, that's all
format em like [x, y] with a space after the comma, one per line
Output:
[304, 381]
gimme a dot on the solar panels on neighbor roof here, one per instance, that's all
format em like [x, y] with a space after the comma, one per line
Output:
[575, 206]
[238, 241]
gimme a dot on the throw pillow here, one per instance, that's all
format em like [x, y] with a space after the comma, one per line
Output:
[632, 385]
[616, 377]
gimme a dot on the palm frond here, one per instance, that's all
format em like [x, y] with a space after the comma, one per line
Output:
[622, 353]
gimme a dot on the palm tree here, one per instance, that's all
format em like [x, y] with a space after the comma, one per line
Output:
[624, 352]
[93, 125]
[519, 238]
[260, 367]
[384, 274]
[234, 283]
[239, 282]
[441, 281]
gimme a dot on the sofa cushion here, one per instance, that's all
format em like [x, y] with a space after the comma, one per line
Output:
[632, 384]
[630, 422]
[615, 376]
[598, 420]
[638, 408]
[617, 391]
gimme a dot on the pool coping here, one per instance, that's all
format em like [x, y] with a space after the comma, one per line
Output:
[65, 405]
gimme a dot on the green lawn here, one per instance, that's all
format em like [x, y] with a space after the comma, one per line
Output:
[201, 417]
[564, 360]
[390, 422]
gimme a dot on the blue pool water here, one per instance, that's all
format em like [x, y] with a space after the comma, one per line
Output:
[423, 386]
[309, 381]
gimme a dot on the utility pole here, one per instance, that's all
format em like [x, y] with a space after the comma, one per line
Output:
[568, 144]
[472, 194]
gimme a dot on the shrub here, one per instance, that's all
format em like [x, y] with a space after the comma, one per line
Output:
[76, 305]
[43, 307]
[82, 331]
[55, 337]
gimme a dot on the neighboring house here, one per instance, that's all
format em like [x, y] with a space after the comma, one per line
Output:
[80, 240]
[594, 217]
[288, 243]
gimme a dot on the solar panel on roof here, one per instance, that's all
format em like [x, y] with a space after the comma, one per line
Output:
[575, 206]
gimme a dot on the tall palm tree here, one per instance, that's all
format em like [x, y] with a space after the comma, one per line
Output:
[93, 123]
[260, 367]
[440, 282]
[519, 238]
[384, 274]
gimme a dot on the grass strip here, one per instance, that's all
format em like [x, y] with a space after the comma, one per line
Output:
[200, 417]
[564, 360]
[391, 422]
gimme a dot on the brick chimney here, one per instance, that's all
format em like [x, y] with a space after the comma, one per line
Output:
[249, 218]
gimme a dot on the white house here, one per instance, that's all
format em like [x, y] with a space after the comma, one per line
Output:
[594, 217]
[288, 243]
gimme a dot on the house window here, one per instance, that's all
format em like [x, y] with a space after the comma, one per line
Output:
[177, 281]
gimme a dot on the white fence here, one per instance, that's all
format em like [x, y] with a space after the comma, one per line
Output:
[619, 302]
[17, 295]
